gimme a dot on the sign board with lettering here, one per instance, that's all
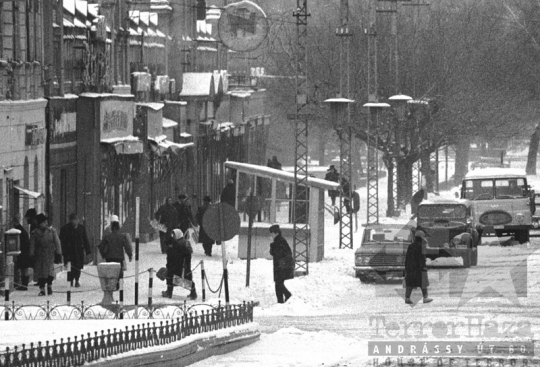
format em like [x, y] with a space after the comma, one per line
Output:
[116, 118]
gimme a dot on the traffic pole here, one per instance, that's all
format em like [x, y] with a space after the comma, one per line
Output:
[137, 203]
[70, 281]
[150, 285]
[121, 296]
[250, 228]
[203, 275]
[6, 296]
[224, 255]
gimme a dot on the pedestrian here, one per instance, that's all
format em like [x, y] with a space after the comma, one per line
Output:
[75, 246]
[30, 217]
[332, 175]
[283, 263]
[275, 163]
[228, 194]
[168, 216]
[415, 268]
[22, 261]
[114, 244]
[346, 192]
[179, 263]
[46, 250]
[416, 199]
[185, 216]
[206, 241]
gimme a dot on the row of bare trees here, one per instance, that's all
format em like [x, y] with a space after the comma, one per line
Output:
[476, 63]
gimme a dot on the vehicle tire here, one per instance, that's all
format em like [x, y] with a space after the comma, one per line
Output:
[467, 257]
[474, 257]
[522, 236]
[365, 277]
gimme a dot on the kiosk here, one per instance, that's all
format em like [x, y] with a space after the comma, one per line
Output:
[274, 188]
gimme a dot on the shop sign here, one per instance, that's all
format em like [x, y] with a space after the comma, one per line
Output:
[35, 135]
[116, 119]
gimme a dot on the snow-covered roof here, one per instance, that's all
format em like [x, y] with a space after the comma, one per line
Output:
[167, 123]
[152, 105]
[122, 139]
[100, 95]
[204, 48]
[240, 94]
[263, 171]
[185, 135]
[495, 173]
[197, 85]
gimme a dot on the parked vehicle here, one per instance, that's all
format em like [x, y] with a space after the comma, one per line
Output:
[382, 252]
[450, 231]
[501, 202]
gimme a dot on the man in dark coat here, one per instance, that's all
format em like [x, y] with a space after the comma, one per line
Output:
[23, 261]
[168, 216]
[417, 198]
[75, 246]
[228, 194]
[45, 248]
[415, 268]
[206, 241]
[179, 263]
[30, 217]
[114, 244]
[185, 216]
[332, 175]
[283, 263]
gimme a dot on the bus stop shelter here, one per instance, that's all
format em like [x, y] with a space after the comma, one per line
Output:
[274, 190]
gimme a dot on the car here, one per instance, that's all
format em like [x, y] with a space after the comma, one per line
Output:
[381, 254]
[450, 231]
[535, 231]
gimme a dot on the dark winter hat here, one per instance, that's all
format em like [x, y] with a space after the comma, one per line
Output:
[40, 218]
[182, 196]
[331, 168]
[275, 228]
[30, 213]
[207, 199]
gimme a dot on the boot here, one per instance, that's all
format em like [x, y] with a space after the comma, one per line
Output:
[49, 290]
[41, 291]
[168, 292]
[408, 301]
[427, 299]
[193, 293]
[24, 284]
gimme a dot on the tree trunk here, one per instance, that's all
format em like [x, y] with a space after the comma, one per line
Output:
[321, 147]
[533, 151]
[462, 159]
[404, 187]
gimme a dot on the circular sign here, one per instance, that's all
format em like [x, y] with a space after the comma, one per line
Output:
[254, 204]
[242, 26]
[221, 222]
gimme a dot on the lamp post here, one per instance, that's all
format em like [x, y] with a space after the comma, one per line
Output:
[399, 103]
[339, 119]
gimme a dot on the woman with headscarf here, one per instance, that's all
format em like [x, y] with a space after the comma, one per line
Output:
[46, 250]
[415, 268]
[179, 263]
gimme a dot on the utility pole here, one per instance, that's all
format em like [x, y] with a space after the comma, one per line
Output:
[372, 133]
[344, 131]
[300, 189]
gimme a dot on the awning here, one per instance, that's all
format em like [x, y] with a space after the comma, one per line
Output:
[30, 194]
[160, 145]
[125, 145]
[197, 85]
[263, 171]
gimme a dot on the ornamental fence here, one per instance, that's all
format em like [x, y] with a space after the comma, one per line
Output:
[78, 351]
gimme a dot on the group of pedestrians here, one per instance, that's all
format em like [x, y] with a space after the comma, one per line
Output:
[42, 248]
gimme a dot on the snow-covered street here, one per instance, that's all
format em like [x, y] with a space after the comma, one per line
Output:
[332, 315]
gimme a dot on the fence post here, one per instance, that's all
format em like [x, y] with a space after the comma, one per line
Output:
[203, 275]
[6, 297]
[121, 295]
[70, 281]
[150, 285]
[137, 203]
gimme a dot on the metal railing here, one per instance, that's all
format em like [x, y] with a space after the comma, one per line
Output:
[78, 351]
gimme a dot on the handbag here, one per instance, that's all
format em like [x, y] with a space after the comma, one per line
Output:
[163, 274]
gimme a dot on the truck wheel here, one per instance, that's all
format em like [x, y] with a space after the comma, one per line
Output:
[467, 259]
[474, 257]
[522, 236]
